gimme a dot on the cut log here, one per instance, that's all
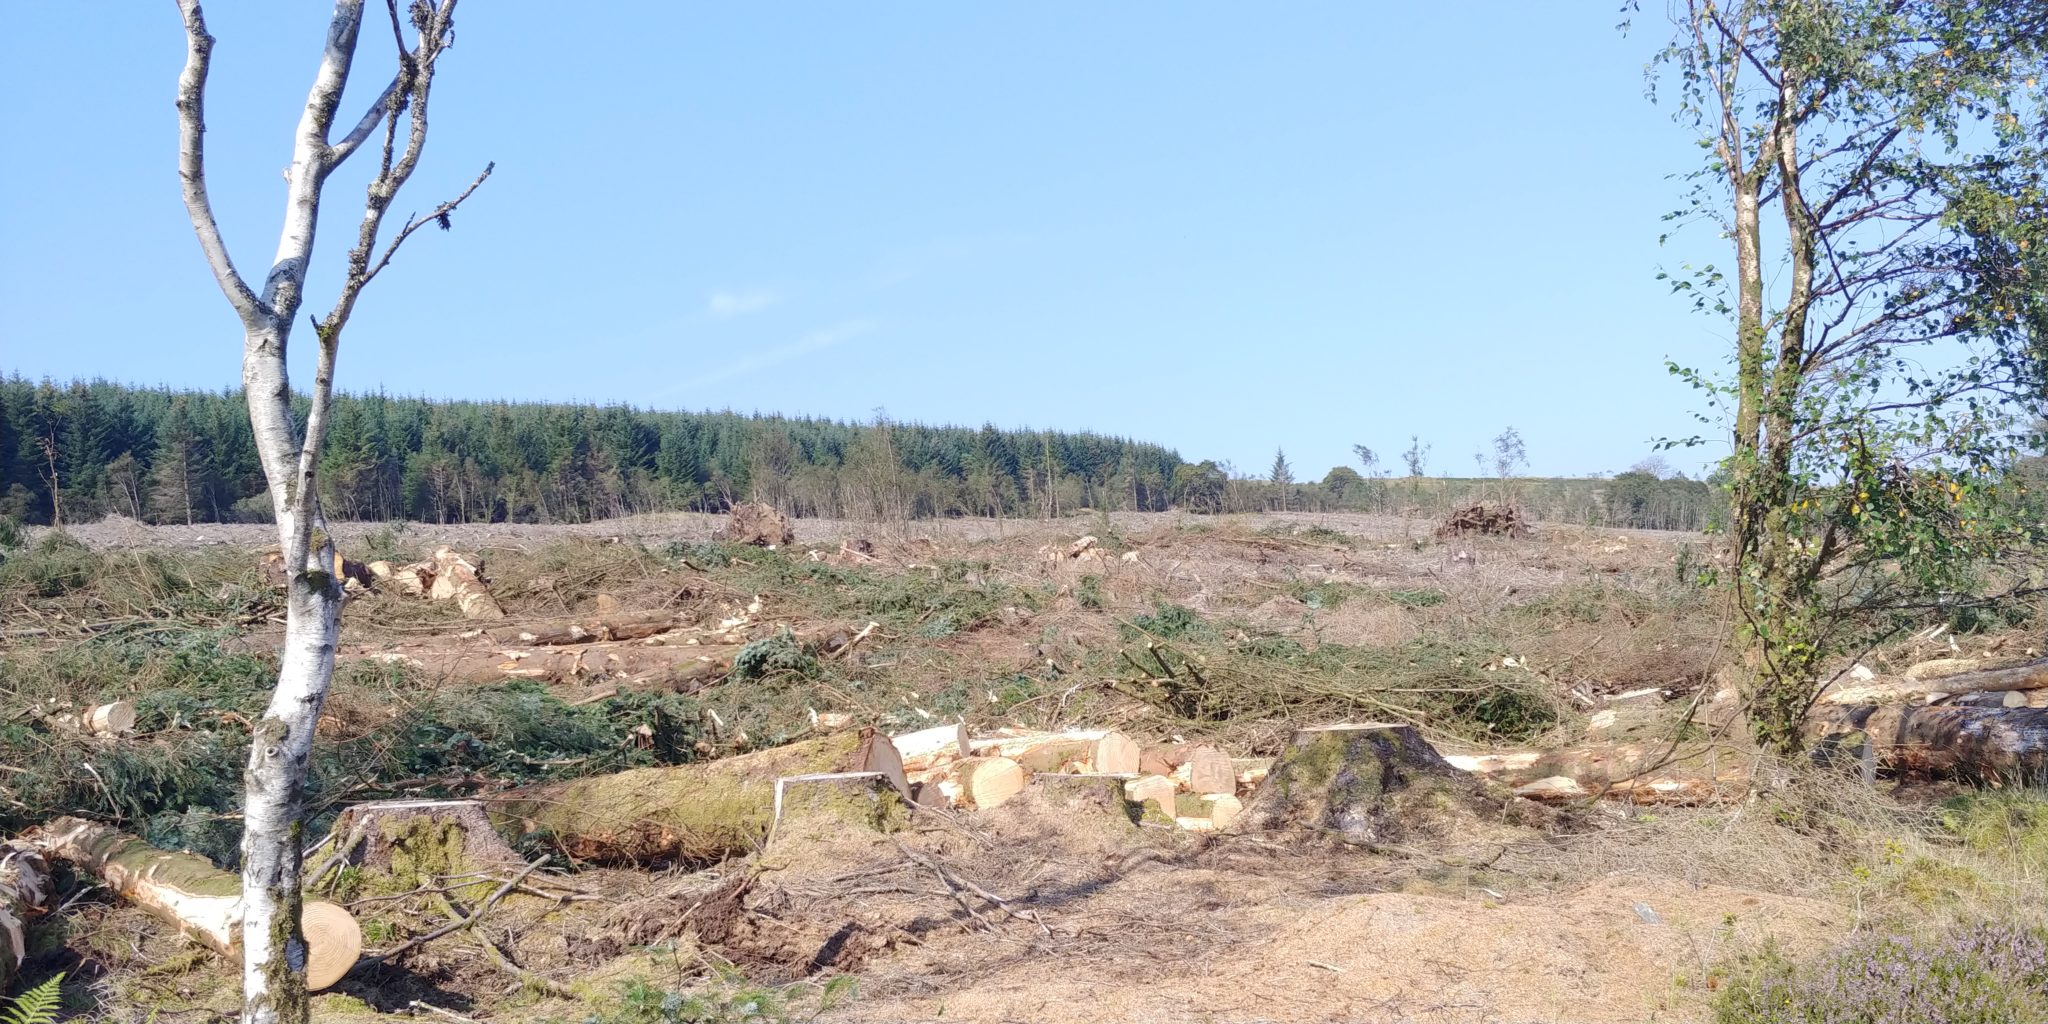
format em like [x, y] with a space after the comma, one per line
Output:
[1553, 789]
[921, 749]
[986, 782]
[24, 892]
[451, 836]
[1155, 794]
[115, 719]
[1366, 785]
[1224, 810]
[1079, 749]
[1210, 771]
[691, 814]
[683, 669]
[1162, 759]
[1948, 676]
[2005, 744]
[595, 629]
[1250, 770]
[203, 901]
[877, 754]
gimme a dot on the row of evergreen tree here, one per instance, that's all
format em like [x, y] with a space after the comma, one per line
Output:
[87, 449]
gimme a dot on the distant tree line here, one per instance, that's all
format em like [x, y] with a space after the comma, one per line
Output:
[86, 449]
[82, 450]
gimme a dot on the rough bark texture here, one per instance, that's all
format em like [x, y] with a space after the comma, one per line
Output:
[24, 888]
[688, 814]
[203, 901]
[2003, 744]
[1363, 784]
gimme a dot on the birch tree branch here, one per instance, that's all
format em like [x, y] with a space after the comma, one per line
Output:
[356, 137]
[192, 164]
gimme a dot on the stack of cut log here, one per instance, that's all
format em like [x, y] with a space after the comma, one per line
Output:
[1194, 787]
[447, 576]
[1626, 772]
[1953, 716]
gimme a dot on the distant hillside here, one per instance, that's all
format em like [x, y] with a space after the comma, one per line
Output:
[161, 455]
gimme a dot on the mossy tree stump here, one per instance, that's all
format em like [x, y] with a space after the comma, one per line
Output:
[1366, 785]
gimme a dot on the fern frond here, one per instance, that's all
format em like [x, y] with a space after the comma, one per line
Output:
[37, 1005]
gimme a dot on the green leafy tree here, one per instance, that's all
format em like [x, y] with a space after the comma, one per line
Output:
[1877, 166]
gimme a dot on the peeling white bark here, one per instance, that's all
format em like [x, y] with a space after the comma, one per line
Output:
[274, 956]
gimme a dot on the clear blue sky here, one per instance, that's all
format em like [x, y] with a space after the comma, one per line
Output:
[1222, 227]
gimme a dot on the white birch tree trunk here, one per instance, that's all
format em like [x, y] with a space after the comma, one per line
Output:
[273, 945]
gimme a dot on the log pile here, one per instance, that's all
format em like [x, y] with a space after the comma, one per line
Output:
[1194, 787]
[1965, 681]
[1626, 772]
[188, 891]
[1486, 518]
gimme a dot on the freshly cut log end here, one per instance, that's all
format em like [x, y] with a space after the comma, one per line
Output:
[1224, 810]
[1365, 784]
[987, 781]
[1210, 771]
[115, 719]
[24, 890]
[201, 900]
[1156, 795]
[334, 940]
[1116, 754]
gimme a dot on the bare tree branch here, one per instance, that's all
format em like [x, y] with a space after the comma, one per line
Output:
[356, 137]
[192, 165]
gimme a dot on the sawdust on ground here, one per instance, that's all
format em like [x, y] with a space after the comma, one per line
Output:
[1619, 950]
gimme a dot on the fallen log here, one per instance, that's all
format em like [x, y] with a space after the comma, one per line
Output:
[24, 890]
[1980, 743]
[1947, 676]
[691, 814]
[684, 669]
[203, 901]
[596, 629]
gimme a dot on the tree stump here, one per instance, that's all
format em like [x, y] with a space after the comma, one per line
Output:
[1366, 785]
[411, 837]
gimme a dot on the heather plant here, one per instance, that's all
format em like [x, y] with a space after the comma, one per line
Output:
[1985, 973]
